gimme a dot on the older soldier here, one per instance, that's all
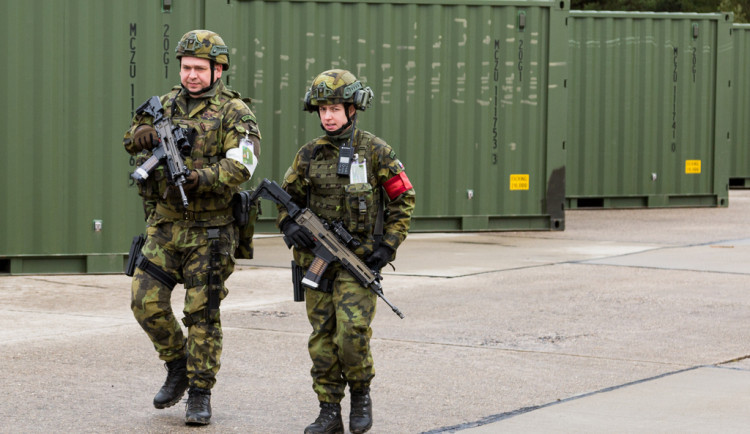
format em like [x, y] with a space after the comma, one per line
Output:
[181, 242]
[346, 175]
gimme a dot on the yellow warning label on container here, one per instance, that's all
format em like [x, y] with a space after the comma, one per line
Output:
[519, 182]
[692, 166]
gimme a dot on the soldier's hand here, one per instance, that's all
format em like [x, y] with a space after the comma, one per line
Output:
[301, 237]
[379, 258]
[191, 181]
[145, 137]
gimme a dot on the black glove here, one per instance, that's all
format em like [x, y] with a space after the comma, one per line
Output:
[145, 137]
[379, 258]
[191, 181]
[301, 237]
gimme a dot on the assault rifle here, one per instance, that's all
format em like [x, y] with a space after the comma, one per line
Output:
[330, 244]
[167, 152]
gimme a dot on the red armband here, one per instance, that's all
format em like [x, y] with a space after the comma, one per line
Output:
[397, 185]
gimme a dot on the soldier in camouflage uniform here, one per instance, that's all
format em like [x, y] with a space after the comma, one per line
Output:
[376, 209]
[180, 241]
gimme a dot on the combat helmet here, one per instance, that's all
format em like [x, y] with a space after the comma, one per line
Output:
[337, 86]
[204, 44]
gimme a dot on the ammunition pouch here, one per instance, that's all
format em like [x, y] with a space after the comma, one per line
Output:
[245, 214]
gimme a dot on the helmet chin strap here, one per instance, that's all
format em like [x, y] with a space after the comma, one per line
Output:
[349, 122]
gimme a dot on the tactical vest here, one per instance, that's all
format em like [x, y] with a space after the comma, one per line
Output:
[333, 198]
[206, 132]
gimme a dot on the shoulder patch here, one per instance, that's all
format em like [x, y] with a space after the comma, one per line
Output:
[248, 118]
[393, 155]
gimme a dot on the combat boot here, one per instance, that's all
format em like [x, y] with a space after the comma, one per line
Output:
[329, 421]
[174, 387]
[360, 416]
[198, 408]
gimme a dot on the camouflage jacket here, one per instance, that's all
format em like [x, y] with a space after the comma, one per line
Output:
[312, 182]
[216, 123]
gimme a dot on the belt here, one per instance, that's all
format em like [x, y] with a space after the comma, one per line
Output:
[191, 215]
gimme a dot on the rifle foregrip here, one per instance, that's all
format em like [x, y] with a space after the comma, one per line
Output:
[315, 272]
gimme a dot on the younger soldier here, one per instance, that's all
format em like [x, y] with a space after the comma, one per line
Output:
[181, 243]
[346, 175]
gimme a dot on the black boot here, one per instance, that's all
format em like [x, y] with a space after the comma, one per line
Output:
[360, 416]
[198, 409]
[174, 387]
[329, 421]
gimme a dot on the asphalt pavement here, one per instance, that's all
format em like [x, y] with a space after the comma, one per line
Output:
[628, 321]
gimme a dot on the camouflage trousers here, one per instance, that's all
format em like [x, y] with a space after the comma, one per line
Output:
[339, 345]
[183, 252]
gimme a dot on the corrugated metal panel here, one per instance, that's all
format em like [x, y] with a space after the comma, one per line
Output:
[77, 70]
[739, 167]
[463, 94]
[648, 109]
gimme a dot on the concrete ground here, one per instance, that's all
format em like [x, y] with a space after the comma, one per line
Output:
[628, 321]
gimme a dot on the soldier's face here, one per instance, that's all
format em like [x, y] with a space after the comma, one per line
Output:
[195, 73]
[333, 116]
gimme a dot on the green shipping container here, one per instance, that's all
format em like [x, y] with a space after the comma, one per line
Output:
[470, 94]
[649, 109]
[739, 163]
[75, 73]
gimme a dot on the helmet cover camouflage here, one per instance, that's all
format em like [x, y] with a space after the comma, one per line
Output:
[337, 86]
[204, 44]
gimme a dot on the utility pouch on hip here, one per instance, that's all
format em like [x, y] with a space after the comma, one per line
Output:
[241, 207]
[297, 274]
[135, 252]
[245, 214]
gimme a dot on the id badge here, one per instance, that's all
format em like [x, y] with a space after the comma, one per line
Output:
[358, 171]
[245, 154]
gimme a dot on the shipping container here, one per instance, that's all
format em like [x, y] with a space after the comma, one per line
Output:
[649, 109]
[75, 72]
[470, 94]
[739, 163]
